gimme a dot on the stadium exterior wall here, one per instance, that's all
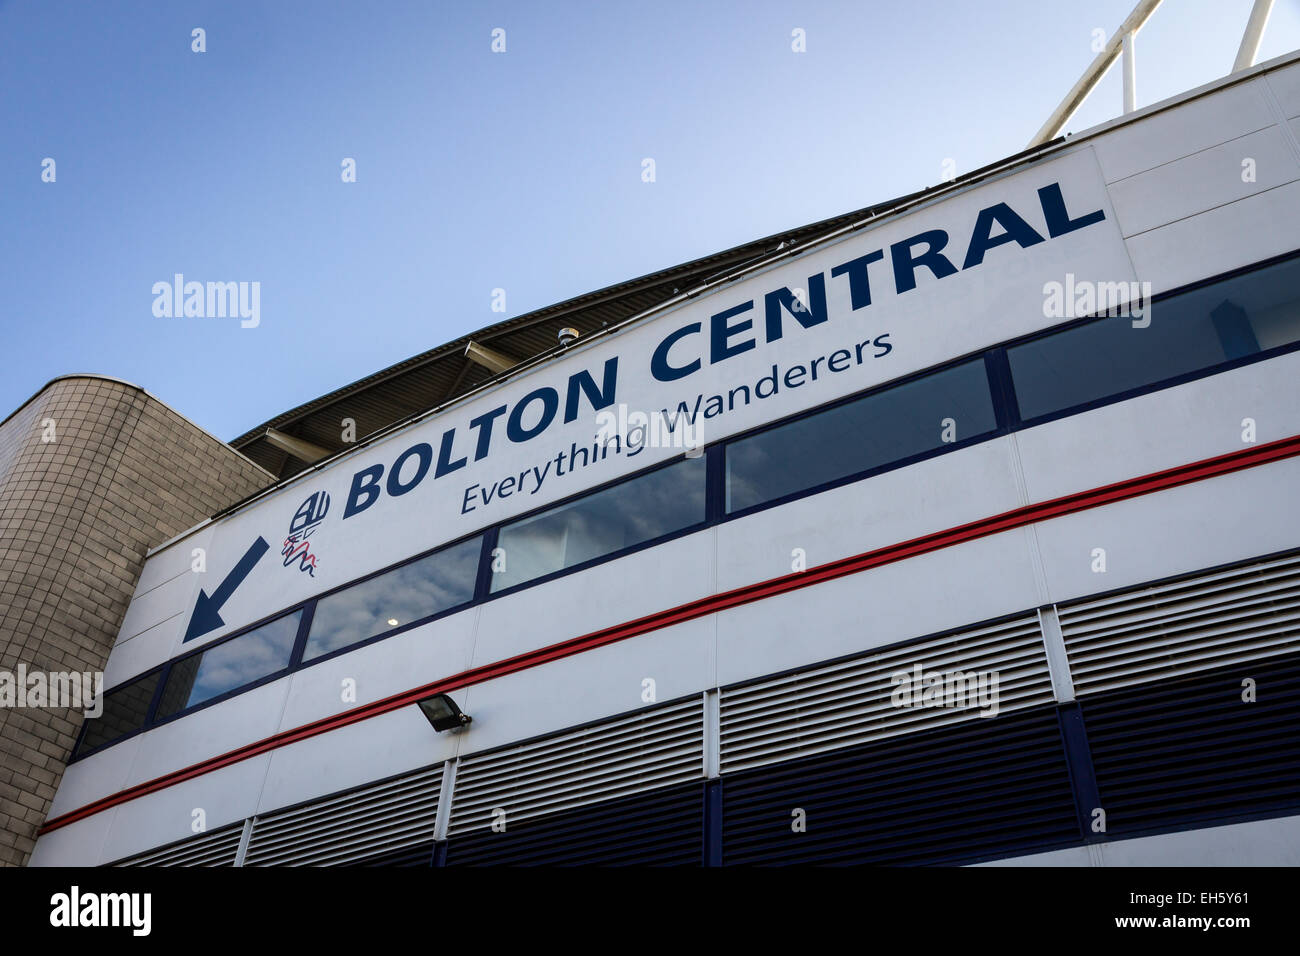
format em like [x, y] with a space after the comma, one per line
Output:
[1097, 512]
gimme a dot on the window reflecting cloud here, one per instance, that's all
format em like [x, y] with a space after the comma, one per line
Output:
[1184, 334]
[409, 593]
[629, 514]
[858, 436]
[230, 664]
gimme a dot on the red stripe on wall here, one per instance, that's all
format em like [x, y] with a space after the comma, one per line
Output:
[1070, 504]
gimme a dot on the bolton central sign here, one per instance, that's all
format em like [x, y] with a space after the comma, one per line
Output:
[949, 278]
[731, 332]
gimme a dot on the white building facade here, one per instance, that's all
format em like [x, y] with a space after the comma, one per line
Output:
[966, 535]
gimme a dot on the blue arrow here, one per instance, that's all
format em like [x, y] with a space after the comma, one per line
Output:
[206, 616]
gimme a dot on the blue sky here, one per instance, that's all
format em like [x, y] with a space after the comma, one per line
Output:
[477, 170]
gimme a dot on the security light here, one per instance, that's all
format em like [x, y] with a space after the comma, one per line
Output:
[441, 711]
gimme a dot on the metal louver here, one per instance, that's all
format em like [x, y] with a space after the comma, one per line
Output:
[645, 751]
[1167, 630]
[850, 702]
[1193, 751]
[663, 827]
[217, 848]
[979, 790]
[351, 827]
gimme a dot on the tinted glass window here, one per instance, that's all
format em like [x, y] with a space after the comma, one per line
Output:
[868, 433]
[125, 709]
[628, 514]
[1187, 333]
[409, 593]
[230, 664]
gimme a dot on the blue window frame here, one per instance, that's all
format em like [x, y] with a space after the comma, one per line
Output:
[889, 426]
[1209, 327]
[398, 598]
[228, 665]
[126, 709]
[635, 512]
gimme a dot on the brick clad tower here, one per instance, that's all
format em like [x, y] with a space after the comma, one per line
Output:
[93, 473]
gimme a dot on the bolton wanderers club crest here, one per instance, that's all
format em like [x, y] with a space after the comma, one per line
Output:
[306, 521]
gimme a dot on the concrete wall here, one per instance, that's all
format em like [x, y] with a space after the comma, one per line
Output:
[119, 474]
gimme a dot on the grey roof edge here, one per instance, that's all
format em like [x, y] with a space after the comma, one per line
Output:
[555, 310]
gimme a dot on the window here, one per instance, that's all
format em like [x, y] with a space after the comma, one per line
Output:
[1188, 333]
[870, 432]
[125, 709]
[630, 513]
[395, 598]
[229, 665]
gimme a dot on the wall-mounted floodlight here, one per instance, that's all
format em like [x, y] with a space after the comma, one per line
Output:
[441, 711]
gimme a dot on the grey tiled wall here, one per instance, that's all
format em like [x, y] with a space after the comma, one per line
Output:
[123, 474]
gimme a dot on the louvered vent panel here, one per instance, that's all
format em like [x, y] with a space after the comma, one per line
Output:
[1181, 627]
[851, 702]
[217, 848]
[1192, 752]
[981, 790]
[646, 751]
[351, 827]
[662, 827]
[419, 855]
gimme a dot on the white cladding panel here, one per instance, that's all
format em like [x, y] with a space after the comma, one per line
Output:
[77, 844]
[1174, 133]
[151, 608]
[209, 732]
[172, 561]
[135, 655]
[1161, 430]
[393, 743]
[597, 683]
[608, 594]
[1228, 237]
[956, 586]
[98, 775]
[899, 505]
[1213, 177]
[1285, 84]
[224, 796]
[1200, 525]
[410, 659]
